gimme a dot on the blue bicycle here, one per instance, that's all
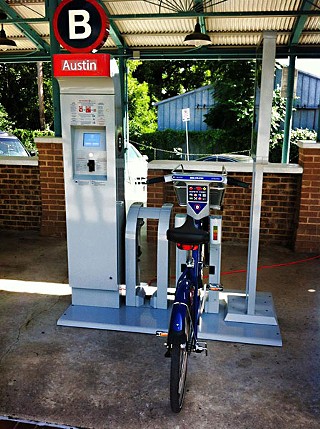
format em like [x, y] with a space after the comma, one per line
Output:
[198, 192]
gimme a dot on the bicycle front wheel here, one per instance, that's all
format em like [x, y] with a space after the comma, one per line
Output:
[178, 375]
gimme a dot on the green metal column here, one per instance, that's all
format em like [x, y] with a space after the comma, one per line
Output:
[123, 72]
[288, 117]
[51, 6]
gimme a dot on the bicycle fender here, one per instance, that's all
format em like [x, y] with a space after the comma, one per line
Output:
[177, 334]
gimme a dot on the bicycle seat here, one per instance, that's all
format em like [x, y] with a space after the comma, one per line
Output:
[188, 233]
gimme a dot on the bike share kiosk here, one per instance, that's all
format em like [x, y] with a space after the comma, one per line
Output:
[93, 152]
[95, 211]
[94, 171]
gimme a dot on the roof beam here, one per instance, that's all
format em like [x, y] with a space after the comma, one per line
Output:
[214, 53]
[25, 28]
[300, 22]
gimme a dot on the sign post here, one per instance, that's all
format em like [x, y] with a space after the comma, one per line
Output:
[186, 119]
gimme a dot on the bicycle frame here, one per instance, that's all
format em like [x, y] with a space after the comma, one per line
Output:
[187, 300]
[198, 192]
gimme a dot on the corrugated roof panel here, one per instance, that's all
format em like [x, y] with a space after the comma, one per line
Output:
[234, 39]
[120, 7]
[109, 43]
[312, 24]
[41, 29]
[22, 45]
[256, 5]
[12, 31]
[29, 10]
[161, 26]
[283, 39]
[249, 24]
[154, 41]
[310, 39]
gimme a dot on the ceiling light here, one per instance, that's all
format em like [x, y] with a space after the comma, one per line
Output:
[197, 38]
[4, 41]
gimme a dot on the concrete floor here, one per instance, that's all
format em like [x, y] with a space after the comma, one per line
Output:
[106, 379]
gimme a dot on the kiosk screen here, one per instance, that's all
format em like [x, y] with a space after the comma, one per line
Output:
[91, 139]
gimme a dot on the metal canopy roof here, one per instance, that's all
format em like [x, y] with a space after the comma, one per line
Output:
[155, 29]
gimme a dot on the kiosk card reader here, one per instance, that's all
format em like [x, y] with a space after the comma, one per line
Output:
[94, 177]
[89, 153]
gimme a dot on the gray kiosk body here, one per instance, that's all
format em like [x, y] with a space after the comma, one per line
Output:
[94, 187]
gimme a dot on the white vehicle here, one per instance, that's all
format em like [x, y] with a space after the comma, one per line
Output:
[10, 145]
[136, 172]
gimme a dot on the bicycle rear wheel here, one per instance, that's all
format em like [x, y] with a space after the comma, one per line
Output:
[178, 375]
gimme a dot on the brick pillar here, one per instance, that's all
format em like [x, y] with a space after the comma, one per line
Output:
[53, 221]
[308, 231]
[156, 198]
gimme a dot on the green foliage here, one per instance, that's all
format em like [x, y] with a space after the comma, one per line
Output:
[5, 123]
[295, 136]
[19, 94]
[142, 115]
[27, 137]
[169, 78]
[234, 103]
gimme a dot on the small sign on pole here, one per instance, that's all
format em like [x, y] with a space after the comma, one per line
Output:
[186, 119]
[186, 115]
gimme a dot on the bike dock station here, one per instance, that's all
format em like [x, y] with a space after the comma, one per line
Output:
[103, 249]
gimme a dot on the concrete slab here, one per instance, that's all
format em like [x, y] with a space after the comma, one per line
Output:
[106, 379]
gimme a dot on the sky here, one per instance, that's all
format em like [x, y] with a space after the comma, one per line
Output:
[306, 65]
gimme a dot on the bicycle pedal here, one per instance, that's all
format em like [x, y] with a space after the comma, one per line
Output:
[201, 347]
[215, 287]
[161, 334]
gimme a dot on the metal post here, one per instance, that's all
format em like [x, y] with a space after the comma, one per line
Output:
[187, 140]
[54, 49]
[262, 154]
[288, 117]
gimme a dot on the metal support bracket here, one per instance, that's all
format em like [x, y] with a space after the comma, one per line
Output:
[132, 239]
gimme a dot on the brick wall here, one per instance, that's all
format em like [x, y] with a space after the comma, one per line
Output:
[32, 198]
[278, 212]
[20, 198]
[308, 231]
[52, 186]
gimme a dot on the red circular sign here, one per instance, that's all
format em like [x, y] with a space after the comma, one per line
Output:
[80, 25]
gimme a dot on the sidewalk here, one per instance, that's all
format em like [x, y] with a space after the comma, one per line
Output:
[105, 379]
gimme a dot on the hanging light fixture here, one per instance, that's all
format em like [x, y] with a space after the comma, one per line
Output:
[3, 15]
[4, 41]
[197, 38]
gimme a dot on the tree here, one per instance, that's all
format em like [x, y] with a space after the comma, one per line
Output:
[142, 115]
[5, 123]
[19, 94]
[169, 78]
[233, 83]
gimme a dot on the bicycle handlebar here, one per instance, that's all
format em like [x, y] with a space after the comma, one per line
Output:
[155, 180]
[235, 182]
[230, 181]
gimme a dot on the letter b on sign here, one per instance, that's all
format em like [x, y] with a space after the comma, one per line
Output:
[80, 25]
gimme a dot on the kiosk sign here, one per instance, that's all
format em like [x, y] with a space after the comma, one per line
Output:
[80, 25]
[81, 65]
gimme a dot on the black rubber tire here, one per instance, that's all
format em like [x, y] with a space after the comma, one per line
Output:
[178, 376]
